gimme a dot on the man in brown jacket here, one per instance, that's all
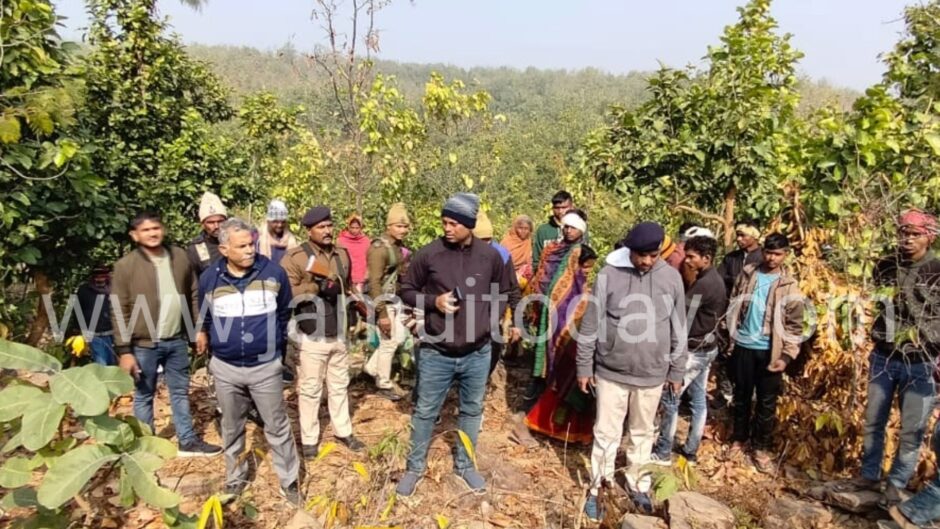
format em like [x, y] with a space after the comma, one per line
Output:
[153, 307]
[319, 275]
[386, 265]
[765, 318]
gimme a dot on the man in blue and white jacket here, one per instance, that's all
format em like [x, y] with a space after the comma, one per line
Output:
[247, 298]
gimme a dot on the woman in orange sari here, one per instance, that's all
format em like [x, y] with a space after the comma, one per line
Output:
[562, 411]
[518, 240]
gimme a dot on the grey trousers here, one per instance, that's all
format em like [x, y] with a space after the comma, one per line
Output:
[236, 388]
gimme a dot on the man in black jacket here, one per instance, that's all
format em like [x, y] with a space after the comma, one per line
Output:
[460, 283]
[705, 302]
[94, 321]
[747, 236]
[907, 345]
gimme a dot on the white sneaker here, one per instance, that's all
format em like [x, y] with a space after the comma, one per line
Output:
[655, 460]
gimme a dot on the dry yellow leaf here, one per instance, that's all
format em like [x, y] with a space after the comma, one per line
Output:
[326, 450]
[468, 446]
[389, 505]
[361, 470]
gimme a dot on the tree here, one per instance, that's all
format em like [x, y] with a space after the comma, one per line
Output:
[863, 167]
[148, 106]
[707, 141]
[53, 207]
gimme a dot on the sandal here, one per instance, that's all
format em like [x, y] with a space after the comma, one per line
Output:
[900, 519]
[521, 435]
[764, 462]
[737, 451]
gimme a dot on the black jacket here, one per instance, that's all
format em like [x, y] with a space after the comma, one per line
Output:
[442, 267]
[709, 301]
[203, 251]
[91, 298]
[914, 290]
[733, 264]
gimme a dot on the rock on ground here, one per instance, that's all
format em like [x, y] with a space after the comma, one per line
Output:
[788, 513]
[637, 521]
[191, 484]
[691, 510]
[303, 520]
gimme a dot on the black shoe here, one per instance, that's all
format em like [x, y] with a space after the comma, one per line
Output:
[352, 443]
[291, 494]
[231, 493]
[310, 451]
[198, 448]
[388, 394]
[286, 376]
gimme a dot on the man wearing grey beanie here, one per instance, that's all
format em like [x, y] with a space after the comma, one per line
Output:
[453, 280]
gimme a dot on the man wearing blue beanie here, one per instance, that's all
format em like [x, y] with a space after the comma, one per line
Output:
[631, 342]
[453, 280]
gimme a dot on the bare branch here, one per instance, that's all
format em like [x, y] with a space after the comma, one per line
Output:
[704, 215]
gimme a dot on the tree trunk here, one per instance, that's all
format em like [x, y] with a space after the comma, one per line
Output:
[41, 318]
[730, 196]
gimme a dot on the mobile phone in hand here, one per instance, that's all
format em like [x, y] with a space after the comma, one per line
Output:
[458, 295]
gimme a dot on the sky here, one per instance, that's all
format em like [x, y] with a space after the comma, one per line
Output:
[840, 38]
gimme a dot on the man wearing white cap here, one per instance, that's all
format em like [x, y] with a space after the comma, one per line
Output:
[275, 238]
[204, 249]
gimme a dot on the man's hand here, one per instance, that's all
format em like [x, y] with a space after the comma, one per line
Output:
[446, 303]
[129, 364]
[385, 326]
[202, 342]
[779, 365]
[674, 387]
[515, 334]
[584, 383]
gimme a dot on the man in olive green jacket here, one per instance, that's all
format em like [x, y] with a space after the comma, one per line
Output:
[386, 265]
[157, 334]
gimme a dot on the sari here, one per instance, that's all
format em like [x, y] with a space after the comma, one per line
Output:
[562, 411]
[520, 249]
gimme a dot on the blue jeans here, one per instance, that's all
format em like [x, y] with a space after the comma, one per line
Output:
[925, 506]
[102, 350]
[173, 355]
[695, 382]
[436, 373]
[913, 382]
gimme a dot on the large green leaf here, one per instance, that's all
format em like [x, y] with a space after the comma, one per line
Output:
[81, 389]
[140, 467]
[13, 443]
[109, 430]
[15, 355]
[22, 497]
[157, 445]
[41, 421]
[15, 473]
[126, 491]
[71, 472]
[140, 428]
[114, 378]
[14, 400]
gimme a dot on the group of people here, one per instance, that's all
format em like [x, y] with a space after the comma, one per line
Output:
[610, 350]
